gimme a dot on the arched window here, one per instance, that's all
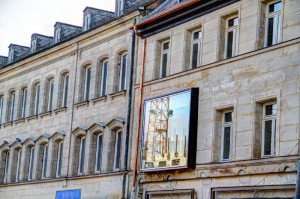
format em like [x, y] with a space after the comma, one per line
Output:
[79, 146]
[35, 99]
[123, 72]
[57, 154]
[29, 160]
[64, 86]
[11, 106]
[49, 94]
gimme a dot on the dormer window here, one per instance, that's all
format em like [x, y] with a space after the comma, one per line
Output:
[57, 35]
[87, 22]
[11, 56]
[33, 45]
[121, 7]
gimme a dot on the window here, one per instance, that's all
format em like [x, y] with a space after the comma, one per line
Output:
[231, 37]
[87, 22]
[269, 129]
[104, 75]
[33, 45]
[121, 7]
[11, 56]
[18, 165]
[23, 103]
[164, 58]
[64, 86]
[123, 72]
[99, 153]
[49, 97]
[36, 99]
[1, 108]
[57, 35]
[59, 159]
[81, 155]
[227, 126]
[30, 163]
[44, 161]
[195, 48]
[273, 23]
[11, 105]
[6, 159]
[118, 145]
[87, 82]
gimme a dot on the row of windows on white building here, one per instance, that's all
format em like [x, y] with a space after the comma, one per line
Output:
[63, 91]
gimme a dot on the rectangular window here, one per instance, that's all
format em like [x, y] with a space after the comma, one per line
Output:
[99, 153]
[57, 35]
[59, 159]
[273, 23]
[231, 37]
[1, 108]
[31, 159]
[227, 126]
[123, 72]
[33, 45]
[104, 73]
[24, 101]
[269, 129]
[164, 58]
[87, 22]
[196, 48]
[87, 83]
[65, 91]
[11, 56]
[18, 165]
[6, 167]
[44, 165]
[50, 94]
[36, 99]
[11, 106]
[81, 156]
[118, 150]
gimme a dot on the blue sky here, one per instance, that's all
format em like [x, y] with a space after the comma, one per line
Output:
[19, 19]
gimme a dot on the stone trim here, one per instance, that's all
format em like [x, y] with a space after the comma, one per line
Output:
[48, 113]
[7, 124]
[117, 94]
[32, 117]
[99, 99]
[84, 103]
[58, 110]
[18, 121]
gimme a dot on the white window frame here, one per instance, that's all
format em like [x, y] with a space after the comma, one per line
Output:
[233, 29]
[44, 163]
[276, 27]
[81, 155]
[99, 159]
[50, 94]
[1, 108]
[18, 165]
[65, 90]
[122, 68]
[11, 56]
[31, 161]
[102, 78]
[24, 101]
[163, 52]
[272, 118]
[87, 21]
[116, 148]
[199, 42]
[5, 176]
[57, 35]
[87, 82]
[59, 160]
[33, 45]
[37, 88]
[224, 125]
[12, 96]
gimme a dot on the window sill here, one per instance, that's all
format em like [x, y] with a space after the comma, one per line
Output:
[32, 117]
[58, 110]
[116, 94]
[7, 124]
[99, 99]
[45, 114]
[18, 121]
[84, 103]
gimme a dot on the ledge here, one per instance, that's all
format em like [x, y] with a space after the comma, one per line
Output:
[32, 117]
[99, 99]
[7, 124]
[48, 113]
[18, 121]
[84, 103]
[116, 94]
[58, 110]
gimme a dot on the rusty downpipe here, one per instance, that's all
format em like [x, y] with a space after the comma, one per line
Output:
[134, 177]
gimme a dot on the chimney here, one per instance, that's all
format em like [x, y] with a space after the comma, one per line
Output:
[17, 52]
[92, 17]
[3, 61]
[39, 42]
[63, 31]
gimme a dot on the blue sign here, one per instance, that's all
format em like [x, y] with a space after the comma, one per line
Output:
[68, 194]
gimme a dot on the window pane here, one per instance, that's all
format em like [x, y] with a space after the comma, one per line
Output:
[82, 153]
[123, 73]
[118, 150]
[65, 94]
[59, 159]
[195, 55]
[275, 7]
[229, 44]
[45, 161]
[197, 35]
[233, 22]
[24, 99]
[104, 78]
[270, 33]
[166, 46]
[99, 153]
[1, 109]
[268, 137]
[226, 143]
[164, 65]
[271, 109]
[228, 117]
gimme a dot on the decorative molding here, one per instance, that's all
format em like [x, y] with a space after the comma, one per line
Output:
[48, 113]
[32, 117]
[84, 103]
[18, 121]
[99, 99]
[58, 110]
[116, 94]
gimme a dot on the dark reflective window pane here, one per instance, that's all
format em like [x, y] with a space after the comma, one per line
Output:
[164, 65]
[229, 44]
[228, 117]
[233, 22]
[118, 150]
[270, 32]
[268, 137]
[196, 35]
[275, 7]
[271, 109]
[226, 143]
[99, 153]
[195, 55]
[166, 46]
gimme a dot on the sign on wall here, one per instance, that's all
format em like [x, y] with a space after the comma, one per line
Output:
[170, 131]
[68, 194]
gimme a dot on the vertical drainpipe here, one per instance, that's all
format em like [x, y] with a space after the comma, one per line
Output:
[132, 52]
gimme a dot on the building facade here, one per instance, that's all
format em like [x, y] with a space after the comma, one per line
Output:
[216, 115]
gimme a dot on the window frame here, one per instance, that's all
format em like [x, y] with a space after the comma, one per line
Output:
[224, 125]
[18, 165]
[87, 82]
[5, 176]
[59, 159]
[99, 156]
[64, 90]
[11, 55]
[36, 102]
[57, 35]
[87, 22]
[24, 102]
[272, 118]
[278, 15]
[45, 163]
[50, 94]
[162, 53]
[199, 42]
[123, 69]
[11, 106]
[102, 93]
[31, 162]
[81, 156]
[33, 45]
[117, 146]
[234, 29]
